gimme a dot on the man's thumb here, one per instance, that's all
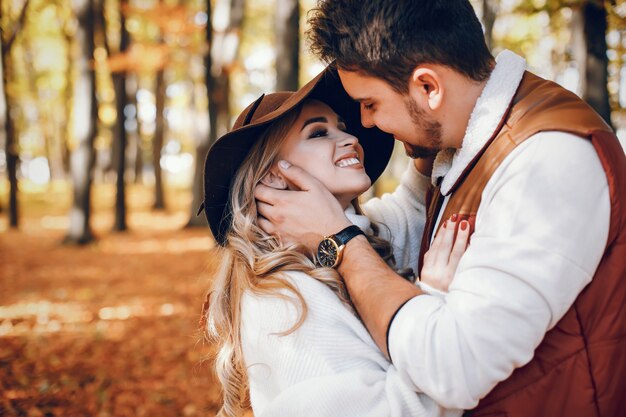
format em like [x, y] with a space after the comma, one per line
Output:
[297, 176]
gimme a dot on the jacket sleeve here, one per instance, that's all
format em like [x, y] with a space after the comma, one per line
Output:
[328, 366]
[540, 234]
[402, 215]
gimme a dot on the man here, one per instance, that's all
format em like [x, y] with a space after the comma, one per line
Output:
[537, 308]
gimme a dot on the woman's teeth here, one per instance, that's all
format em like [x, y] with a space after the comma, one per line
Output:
[348, 162]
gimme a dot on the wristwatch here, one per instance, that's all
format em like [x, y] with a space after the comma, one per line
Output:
[330, 249]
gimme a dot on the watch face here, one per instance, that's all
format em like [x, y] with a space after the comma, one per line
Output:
[327, 253]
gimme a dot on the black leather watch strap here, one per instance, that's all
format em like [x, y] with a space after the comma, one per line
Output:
[347, 234]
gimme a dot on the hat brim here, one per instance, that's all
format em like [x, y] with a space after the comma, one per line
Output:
[228, 153]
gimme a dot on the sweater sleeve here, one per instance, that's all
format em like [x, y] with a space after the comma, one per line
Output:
[327, 366]
[402, 214]
[540, 233]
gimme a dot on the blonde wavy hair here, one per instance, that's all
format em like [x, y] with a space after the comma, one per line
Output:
[254, 261]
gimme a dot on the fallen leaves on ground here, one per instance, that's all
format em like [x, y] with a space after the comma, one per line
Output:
[104, 330]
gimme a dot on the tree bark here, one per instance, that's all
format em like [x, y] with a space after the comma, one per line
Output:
[287, 44]
[136, 154]
[157, 143]
[3, 108]
[12, 156]
[217, 62]
[225, 50]
[10, 141]
[196, 219]
[68, 102]
[589, 26]
[119, 158]
[86, 111]
[489, 19]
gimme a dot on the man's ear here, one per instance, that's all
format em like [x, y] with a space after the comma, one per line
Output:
[274, 179]
[426, 86]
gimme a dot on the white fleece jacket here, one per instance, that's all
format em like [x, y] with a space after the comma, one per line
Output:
[541, 230]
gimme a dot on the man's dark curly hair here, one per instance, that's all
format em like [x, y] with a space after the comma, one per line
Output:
[389, 38]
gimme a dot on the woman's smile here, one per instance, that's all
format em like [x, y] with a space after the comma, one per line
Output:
[319, 143]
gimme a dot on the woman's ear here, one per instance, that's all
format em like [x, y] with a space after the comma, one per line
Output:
[274, 179]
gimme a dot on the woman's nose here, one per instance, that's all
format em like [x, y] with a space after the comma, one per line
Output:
[348, 140]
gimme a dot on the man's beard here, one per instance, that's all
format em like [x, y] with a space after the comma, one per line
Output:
[429, 128]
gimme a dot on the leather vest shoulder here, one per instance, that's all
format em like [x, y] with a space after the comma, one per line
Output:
[579, 369]
[538, 106]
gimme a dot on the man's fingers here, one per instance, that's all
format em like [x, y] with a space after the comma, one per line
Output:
[267, 194]
[297, 176]
[266, 225]
[264, 209]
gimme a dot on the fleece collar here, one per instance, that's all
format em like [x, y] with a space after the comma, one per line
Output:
[490, 108]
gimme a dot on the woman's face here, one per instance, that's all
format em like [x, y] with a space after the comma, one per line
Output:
[319, 144]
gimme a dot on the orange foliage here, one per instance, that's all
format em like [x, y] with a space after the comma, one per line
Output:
[107, 330]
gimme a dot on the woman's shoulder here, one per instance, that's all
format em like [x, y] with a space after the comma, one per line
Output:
[280, 308]
[302, 282]
[279, 305]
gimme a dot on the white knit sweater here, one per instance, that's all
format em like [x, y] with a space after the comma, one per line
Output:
[330, 366]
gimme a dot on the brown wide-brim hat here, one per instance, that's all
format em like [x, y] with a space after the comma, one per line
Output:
[227, 154]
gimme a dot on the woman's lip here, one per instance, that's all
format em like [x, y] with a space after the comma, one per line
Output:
[357, 165]
[347, 156]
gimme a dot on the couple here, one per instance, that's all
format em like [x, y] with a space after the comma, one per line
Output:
[316, 317]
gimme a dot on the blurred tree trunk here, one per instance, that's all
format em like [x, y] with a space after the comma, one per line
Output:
[68, 101]
[136, 154]
[589, 27]
[158, 139]
[119, 156]
[224, 43]
[196, 219]
[2, 111]
[157, 143]
[490, 10]
[225, 48]
[86, 113]
[287, 44]
[11, 146]
[10, 140]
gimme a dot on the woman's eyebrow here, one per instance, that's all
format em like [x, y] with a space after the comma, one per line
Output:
[314, 120]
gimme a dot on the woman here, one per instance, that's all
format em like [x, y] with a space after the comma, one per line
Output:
[285, 328]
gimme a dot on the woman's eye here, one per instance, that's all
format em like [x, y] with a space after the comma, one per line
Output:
[318, 133]
[342, 127]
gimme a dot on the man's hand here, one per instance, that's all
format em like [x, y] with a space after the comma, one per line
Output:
[304, 216]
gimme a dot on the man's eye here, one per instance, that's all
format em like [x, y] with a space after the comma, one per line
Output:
[318, 133]
[368, 106]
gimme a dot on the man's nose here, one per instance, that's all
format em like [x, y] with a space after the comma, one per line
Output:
[366, 118]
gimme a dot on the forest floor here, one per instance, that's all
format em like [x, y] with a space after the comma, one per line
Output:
[109, 329]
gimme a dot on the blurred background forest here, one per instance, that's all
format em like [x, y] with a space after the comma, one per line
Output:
[111, 103]
[107, 110]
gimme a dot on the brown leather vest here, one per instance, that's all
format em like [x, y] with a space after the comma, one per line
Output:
[579, 369]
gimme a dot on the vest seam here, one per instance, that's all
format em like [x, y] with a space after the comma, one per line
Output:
[520, 389]
[609, 172]
[596, 403]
